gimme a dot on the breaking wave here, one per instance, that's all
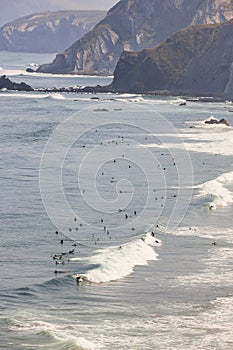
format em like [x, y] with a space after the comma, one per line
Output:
[217, 191]
[117, 262]
[61, 336]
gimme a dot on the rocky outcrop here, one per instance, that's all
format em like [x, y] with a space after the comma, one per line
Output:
[7, 84]
[134, 25]
[195, 61]
[47, 32]
[217, 121]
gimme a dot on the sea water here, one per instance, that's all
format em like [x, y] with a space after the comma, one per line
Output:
[101, 173]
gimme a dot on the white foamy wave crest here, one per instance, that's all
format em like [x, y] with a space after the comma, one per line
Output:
[213, 139]
[118, 262]
[220, 195]
[136, 99]
[56, 96]
[65, 335]
[35, 95]
[129, 95]
[20, 94]
[129, 98]
[208, 232]
[13, 72]
[33, 65]
[178, 101]
[23, 72]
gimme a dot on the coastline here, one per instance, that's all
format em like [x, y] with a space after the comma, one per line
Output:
[7, 84]
[188, 285]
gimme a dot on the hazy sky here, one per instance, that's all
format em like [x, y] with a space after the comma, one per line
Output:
[11, 9]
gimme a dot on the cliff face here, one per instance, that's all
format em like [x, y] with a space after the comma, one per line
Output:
[196, 60]
[229, 87]
[133, 25]
[47, 32]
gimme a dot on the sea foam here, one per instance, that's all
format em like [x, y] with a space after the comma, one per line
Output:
[117, 262]
[65, 335]
[201, 138]
[217, 189]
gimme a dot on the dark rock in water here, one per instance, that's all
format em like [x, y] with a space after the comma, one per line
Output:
[58, 65]
[100, 110]
[30, 70]
[216, 121]
[224, 121]
[6, 83]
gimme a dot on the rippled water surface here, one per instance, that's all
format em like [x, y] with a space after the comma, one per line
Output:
[105, 171]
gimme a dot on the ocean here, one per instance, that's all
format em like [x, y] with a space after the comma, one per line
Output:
[131, 193]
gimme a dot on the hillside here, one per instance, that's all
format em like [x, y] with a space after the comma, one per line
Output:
[12, 9]
[132, 25]
[47, 32]
[196, 60]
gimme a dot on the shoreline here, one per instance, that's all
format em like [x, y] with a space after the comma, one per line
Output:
[7, 84]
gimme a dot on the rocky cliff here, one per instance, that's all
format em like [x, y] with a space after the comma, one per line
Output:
[228, 93]
[47, 32]
[134, 25]
[196, 60]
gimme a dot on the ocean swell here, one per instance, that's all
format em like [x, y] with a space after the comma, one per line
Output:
[220, 195]
[117, 262]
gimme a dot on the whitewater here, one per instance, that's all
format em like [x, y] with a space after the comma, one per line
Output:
[134, 194]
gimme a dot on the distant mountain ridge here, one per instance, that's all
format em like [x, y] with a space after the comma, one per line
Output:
[132, 25]
[12, 9]
[47, 31]
[197, 60]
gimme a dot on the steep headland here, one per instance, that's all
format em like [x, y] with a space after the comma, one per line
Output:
[195, 60]
[132, 25]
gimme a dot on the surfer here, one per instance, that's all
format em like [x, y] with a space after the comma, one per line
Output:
[57, 256]
[79, 279]
[56, 272]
